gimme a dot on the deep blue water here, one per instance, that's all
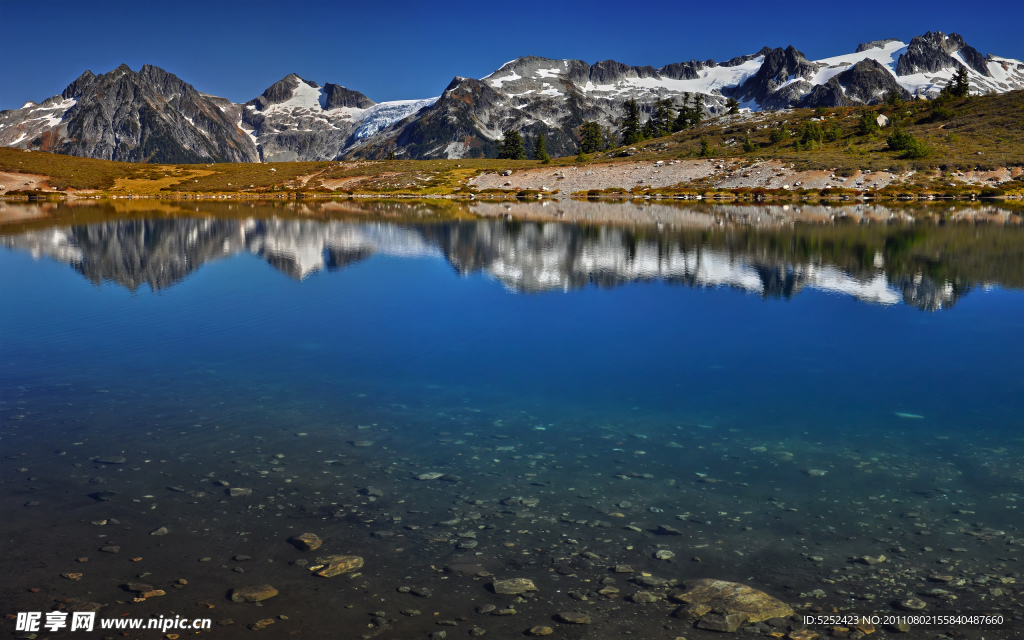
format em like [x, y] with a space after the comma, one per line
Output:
[650, 374]
[645, 351]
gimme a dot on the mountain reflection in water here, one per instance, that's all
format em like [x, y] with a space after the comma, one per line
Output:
[923, 264]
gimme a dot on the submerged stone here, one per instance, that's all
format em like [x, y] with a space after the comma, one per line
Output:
[254, 593]
[722, 622]
[573, 617]
[513, 586]
[727, 598]
[307, 541]
[337, 565]
[110, 459]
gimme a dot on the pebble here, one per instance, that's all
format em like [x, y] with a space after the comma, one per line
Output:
[306, 541]
[541, 631]
[513, 586]
[162, 531]
[253, 593]
[573, 617]
[913, 604]
[664, 554]
[110, 459]
[644, 597]
[238, 492]
[337, 565]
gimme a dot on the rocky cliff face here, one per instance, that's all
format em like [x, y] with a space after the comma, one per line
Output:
[297, 119]
[153, 116]
[144, 116]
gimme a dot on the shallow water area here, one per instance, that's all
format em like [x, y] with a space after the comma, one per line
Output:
[581, 394]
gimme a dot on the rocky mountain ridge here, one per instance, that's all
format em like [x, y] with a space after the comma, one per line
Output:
[153, 116]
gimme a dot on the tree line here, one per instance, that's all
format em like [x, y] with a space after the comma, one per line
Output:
[666, 119]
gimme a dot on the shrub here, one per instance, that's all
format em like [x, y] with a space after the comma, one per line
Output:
[900, 140]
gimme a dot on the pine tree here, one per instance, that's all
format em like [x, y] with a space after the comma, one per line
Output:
[540, 151]
[590, 133]
[810, 134]
[705, 148]
[732, 106]
[893, 98]
[697, 115]
[959, 86]
[648, 130]
[682, 120]
[631, 133]
[512, 146]
[662, 120]
[868, 123]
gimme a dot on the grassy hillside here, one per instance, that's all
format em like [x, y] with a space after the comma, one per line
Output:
[981, 132]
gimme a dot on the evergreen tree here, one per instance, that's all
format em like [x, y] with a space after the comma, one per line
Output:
[732, 106]
[697, 115]
[831, 131]
[662, 120]
[689, 115]
[778, 135]
[631, 132]
[748, 145]
[512, 146]
[868, 123]
[540, 151]
[648, 130]
[590, 141]
[810, 134]
[900, 140]
[682, 120]
[705, 148]
[959, 86]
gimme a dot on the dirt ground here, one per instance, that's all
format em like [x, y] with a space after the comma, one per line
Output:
[10, 181]
[723, 173]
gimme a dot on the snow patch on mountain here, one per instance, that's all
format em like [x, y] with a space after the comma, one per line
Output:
[383, 114]
[497, 82]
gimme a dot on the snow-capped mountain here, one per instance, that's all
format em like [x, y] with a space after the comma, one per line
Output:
[153, 116]
[145, 116]
[296, 119]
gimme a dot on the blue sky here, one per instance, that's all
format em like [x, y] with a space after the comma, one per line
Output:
[396, 50]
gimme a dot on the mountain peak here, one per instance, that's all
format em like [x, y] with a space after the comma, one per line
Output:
[875, 44]
[935, 51]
